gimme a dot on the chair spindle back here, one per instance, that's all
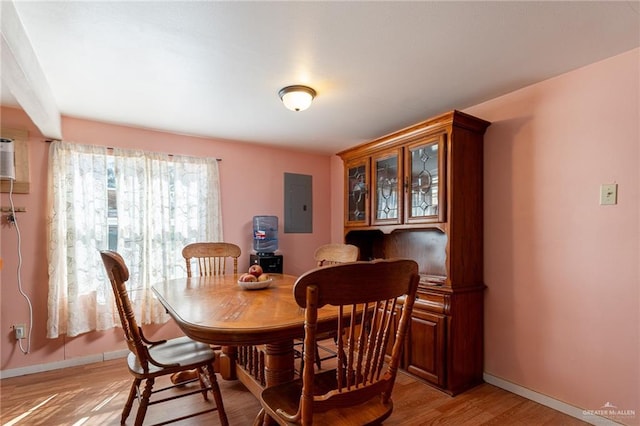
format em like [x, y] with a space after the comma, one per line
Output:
[211, 258]
[332, 254]
[118, 274]
[375, 300]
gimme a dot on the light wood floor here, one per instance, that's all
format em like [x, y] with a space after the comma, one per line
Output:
[94, 395]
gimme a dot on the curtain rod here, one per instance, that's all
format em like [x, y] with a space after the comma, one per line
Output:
[109, 147]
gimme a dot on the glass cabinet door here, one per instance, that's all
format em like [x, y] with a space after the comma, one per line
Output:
[426, 193]
[357, 193]
[387, 191]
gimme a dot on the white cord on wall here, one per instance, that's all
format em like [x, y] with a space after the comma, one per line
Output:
[19, 271]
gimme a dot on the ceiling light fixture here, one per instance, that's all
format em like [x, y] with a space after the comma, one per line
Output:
[297, 98]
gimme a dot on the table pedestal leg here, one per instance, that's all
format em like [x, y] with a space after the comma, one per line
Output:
[279, 366]
[278, 369]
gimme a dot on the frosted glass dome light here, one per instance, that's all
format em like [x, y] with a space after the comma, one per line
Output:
[297, 98]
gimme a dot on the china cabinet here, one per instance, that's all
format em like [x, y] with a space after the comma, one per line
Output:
[417, 193]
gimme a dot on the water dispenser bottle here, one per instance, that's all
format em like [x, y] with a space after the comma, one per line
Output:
[265, 234]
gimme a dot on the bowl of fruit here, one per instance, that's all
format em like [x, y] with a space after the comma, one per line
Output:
[254, 279]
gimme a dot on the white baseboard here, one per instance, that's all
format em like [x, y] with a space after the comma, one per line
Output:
[90, 359]
[563, 407]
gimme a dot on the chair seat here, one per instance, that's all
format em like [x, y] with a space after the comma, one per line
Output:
[183, 351]
[287, 397]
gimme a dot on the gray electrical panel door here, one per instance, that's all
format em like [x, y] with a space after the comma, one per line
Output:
[298, 208]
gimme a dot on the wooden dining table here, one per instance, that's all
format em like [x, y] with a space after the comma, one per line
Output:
[216, 310]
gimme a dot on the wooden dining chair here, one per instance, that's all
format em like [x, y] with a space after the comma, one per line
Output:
[149, 360]
[375, 300]
[331, 254]
[211, 257]
[325, 255]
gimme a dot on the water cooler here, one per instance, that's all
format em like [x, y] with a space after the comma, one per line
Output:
[265, 244]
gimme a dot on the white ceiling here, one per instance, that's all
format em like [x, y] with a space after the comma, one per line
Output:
[214, 68]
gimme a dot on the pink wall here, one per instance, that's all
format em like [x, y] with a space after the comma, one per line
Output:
[562, 271]
[252, 179]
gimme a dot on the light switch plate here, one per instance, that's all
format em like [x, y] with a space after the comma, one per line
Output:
[608, 194]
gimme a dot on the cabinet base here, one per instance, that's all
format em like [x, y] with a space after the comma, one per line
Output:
[270, 263]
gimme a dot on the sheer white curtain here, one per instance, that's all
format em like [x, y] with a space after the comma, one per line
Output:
[162, 203]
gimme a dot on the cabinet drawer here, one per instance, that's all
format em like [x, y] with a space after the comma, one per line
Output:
[432, 302]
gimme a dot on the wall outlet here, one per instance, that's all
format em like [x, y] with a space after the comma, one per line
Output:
[20, 331]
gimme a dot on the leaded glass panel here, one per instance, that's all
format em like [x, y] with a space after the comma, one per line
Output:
[387, 188]
[357, 181]
[424, 181]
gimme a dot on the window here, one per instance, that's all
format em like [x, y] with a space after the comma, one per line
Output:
[112, 208]
[147, 206]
